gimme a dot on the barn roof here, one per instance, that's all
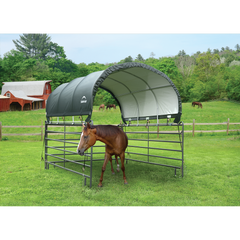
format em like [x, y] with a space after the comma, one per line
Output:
[140, 90]
[3, 97]
[28, 87]
[22, 95]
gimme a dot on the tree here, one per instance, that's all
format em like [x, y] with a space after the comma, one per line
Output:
[152, 55]
[233, 85]
[128, 59]
[38, 46]
[63, 64]
[209, 50]
[168, 67]
[229, 59]
[140, 58]
[182, 53]
[185, 65]
[206, 66]
[237, 47]
[215, 51]
[11, 66]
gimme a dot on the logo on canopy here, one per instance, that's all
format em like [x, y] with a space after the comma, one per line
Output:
[84, 99]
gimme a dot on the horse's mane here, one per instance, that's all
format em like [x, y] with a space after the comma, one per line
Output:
[105, 130]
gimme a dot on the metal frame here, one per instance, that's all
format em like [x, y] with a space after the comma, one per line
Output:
[64, 149]
[180, 133]
[63, 157]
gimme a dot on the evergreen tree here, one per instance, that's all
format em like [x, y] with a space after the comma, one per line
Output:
[237, 47]
[182, 53]
[140, 58]
[38, 46]
[128, 59]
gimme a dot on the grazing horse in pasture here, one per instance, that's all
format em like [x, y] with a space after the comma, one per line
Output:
[102, 106]
[111, 106]
[197, 103]
[116, 143]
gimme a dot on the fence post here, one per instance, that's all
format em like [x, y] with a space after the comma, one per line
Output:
[42, 131]
[0, 131]
[193, 127]
[227, 126]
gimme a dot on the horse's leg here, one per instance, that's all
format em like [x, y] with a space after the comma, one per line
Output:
[118, 169]
[122, 156]
[104, 168]
[111, 165]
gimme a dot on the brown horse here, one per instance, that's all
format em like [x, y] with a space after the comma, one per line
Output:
[197, 103]
[102, 106]
[116, 143]
[111, 106]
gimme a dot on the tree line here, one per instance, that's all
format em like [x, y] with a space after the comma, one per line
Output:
[214, 74]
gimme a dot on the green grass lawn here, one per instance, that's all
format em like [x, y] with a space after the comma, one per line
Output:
[211, 170]
[211, 179]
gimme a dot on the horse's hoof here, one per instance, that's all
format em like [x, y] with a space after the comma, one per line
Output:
[126, 183]
[113, 172]
[99, 185]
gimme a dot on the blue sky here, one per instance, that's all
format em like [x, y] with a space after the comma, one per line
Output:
[109, 48]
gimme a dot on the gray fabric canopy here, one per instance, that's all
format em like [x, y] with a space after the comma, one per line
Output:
[140, 90]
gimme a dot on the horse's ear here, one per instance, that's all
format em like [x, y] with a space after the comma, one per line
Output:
[88, 125]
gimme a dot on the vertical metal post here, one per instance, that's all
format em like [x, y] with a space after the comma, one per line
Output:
[148, 140]
[182, 147]
[64, 143]
[46, 144]
[91, 167]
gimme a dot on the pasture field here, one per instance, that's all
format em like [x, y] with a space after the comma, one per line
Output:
[211, 179]
[212, 112]
[211, 169]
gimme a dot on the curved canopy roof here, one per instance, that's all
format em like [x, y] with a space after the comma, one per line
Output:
[140, 90]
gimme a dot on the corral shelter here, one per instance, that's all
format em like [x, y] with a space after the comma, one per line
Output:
[141, 91]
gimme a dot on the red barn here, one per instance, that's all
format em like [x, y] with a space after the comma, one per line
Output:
[4, 103]
[26, 95]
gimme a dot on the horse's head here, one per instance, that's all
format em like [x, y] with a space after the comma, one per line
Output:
[87, 139]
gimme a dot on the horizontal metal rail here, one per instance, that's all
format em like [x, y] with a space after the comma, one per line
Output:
[167, 132]
[150, 124]
[56, 148]
[84, 175]
[156, 148]
[62, 123]
[151, 140]
[86, 160]
[129, 159]
[67, 160]
[49, 131]
[60, 140]
[142, 154]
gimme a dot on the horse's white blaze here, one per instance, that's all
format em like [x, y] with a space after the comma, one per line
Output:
[80, 141]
